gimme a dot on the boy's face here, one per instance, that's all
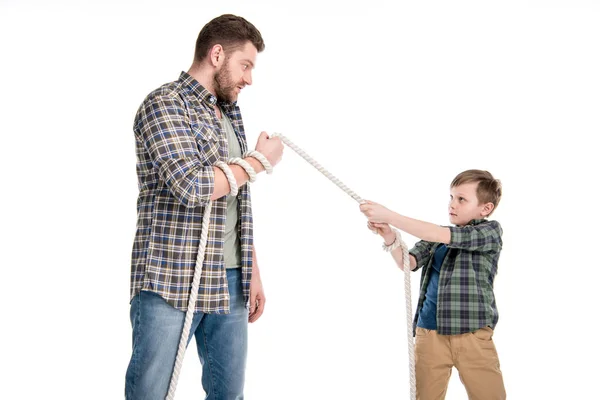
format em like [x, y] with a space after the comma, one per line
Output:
[464, 205]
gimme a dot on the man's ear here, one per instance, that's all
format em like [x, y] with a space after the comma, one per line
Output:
[217, 55]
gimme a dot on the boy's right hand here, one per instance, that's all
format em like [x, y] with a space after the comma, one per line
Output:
[383, 230]
[271, 148]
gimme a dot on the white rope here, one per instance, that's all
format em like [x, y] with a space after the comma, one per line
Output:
[398, 242]
[233, 187]
[407, 290]
[202, 249]
[409, 322]
[261, 158]
[246, 166]
[189, 314]
[318, 166]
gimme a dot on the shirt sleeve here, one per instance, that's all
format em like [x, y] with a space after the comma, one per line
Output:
[173, 149]
[484, 237]
[422, 253]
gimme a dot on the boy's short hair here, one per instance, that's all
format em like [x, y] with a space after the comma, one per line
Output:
[489, 189]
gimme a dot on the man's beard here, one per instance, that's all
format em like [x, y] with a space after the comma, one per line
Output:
[224, 85]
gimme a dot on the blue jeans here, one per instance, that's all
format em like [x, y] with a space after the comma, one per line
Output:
[221, 339]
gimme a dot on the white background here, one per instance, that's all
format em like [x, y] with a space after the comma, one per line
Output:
[394, 98]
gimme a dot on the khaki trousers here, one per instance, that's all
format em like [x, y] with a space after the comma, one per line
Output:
[474, 356]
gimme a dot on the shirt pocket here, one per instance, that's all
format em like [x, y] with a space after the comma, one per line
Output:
[207, 142]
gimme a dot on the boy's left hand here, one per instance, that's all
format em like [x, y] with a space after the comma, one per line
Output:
[375, 212]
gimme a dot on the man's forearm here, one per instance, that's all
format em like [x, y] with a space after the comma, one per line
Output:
[255, 269]
[241, 177]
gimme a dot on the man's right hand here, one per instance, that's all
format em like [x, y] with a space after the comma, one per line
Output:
[271, 148]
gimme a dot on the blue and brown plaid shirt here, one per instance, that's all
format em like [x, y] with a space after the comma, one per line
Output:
[178, 138]
[465, 299]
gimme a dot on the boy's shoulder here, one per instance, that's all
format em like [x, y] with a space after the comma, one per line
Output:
[493, 224]
[477, 235]
[479, 224]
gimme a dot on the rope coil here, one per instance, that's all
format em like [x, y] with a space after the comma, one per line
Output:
[246, 166]
[262, 159]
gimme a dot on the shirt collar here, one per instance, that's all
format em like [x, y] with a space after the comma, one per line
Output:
[193, 86]
[473, 222]
[204, 95]
[476, 221]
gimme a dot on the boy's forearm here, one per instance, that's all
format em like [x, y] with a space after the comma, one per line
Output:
[398, 257]
[421, 229]
[389, 238]
[397, 253]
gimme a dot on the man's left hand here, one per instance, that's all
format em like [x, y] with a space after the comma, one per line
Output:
[257, 298]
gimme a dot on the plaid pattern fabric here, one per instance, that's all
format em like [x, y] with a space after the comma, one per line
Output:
[466, 287]
[178, 138]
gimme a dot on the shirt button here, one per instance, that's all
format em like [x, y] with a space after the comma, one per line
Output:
[212, 99]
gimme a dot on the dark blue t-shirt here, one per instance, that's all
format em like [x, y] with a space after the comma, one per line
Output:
[427, 315]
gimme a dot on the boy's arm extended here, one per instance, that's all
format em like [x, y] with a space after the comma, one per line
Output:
[483, 237]
[376, 213]
[421, 229]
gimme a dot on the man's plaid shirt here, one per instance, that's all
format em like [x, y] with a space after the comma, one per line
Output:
[178, 139]
[465, 300]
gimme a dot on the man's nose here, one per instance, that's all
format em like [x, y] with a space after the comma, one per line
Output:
[248, 78]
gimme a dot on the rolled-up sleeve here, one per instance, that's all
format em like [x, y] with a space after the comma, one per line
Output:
[172, 146]
[484, 237]
[422, 253]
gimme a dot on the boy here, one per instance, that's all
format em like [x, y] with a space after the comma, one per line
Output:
[456, 312]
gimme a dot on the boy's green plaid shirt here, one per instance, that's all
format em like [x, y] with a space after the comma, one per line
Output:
[465, 300]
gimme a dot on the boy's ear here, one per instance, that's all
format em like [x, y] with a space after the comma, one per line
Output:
[487, 209]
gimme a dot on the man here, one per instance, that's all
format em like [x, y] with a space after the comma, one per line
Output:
[182, 129]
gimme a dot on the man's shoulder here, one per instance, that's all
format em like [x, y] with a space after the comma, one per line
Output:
[165, 96]
[168, 91]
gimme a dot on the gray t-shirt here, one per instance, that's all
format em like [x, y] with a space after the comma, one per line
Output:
[232, 249]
